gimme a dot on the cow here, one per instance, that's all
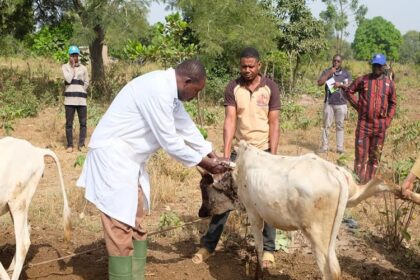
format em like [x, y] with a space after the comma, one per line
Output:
[304, 193]
[21, 168]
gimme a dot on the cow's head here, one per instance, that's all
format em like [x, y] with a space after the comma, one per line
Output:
[219, 194]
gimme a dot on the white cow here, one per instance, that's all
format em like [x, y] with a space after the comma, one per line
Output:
[304, 193]
[21, 168]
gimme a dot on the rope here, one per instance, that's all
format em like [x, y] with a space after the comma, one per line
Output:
[101, 247]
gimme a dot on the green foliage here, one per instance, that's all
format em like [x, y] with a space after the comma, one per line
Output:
[404, 135]
[16, 18]
[223, 27]
[282, 241]
[410, 48]
[52, 41]
[203, 116]
[343, 159]
[336, 18]
[79, 160]
[203, 132]
[128, 22]
[377, 35]
[169, 219]
[301, 36]
[215, 87]
[169, 44]
[16, 101]
[96, 111]
[291, 115]
[10, 46]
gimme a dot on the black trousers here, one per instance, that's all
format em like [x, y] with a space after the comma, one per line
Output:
[82, 115]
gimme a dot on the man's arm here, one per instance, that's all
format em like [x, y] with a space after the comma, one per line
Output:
[229, 128]
[351, 93]
[274, 130]
[325, 75]
[392, 103]
[68, 73]
[408, 182]
[86, 78]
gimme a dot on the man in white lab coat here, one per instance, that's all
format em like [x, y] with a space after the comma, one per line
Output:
[147, 114]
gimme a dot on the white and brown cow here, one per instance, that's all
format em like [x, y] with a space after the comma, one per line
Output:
[304, 193]
[21, 168]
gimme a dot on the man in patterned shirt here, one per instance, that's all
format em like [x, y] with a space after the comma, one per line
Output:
[375, 105]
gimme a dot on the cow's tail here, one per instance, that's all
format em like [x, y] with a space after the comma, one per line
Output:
[333, 264]
[66, 208]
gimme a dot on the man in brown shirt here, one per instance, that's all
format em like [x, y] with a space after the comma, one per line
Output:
[252, 104]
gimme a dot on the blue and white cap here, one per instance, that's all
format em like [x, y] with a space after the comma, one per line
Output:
[378, 59]
[74, 50]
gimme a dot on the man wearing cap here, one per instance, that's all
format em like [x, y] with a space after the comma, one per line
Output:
[375, 105]
[76, 80]
[335, 79]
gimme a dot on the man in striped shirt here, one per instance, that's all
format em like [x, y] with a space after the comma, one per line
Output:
[375, 105]
[76, 80]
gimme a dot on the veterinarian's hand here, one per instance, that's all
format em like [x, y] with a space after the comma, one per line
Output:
[213, 165]
[406, 187]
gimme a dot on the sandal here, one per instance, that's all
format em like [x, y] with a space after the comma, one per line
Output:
[268, 260]
[202, 255]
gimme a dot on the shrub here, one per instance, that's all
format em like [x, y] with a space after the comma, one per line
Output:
[16, 101]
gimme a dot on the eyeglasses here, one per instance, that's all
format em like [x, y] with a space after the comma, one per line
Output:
[336, 60]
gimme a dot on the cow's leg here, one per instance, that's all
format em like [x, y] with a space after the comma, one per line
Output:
[3, 273]
[12, 264]
[257, 225]
[20, 218]
[319, 236]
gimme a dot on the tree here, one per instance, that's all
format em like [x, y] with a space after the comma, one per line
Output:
[16, 18]
[223, 27]
[301, 33]
[95, 17]
[377, 35]
[50, 12]
[336, 17]
[410, 48]
[168, 44]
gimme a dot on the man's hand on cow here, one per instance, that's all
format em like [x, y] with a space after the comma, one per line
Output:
[214, 165]
[407, 187]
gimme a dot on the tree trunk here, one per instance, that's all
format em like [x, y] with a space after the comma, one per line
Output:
[291, 72]
[95, 48]
[295, 70]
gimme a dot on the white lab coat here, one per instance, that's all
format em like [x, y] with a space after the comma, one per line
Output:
[145, 115]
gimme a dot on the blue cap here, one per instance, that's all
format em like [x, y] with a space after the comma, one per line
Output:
[378, 59]
[73, 50]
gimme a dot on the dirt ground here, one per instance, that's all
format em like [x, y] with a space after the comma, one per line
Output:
[362, 253]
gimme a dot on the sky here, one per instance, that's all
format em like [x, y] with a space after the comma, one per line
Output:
[404, 14]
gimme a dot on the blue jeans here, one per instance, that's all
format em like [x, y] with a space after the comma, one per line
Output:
[217, 223]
